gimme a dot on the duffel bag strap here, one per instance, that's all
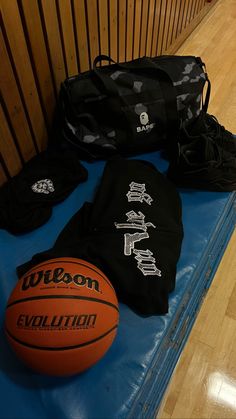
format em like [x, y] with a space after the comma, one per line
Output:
[207, 96]
[205, 103]
[165, 82]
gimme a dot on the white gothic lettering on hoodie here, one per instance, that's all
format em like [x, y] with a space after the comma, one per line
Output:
[146, 262]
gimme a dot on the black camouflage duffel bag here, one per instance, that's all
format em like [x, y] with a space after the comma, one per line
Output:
[130, 108]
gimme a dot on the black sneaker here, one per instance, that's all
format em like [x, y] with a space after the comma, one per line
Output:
[203, 164]
[209, 125]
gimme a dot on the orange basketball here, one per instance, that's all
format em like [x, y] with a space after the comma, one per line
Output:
[62, 316]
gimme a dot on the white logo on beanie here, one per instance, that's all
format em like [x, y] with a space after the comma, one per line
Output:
[44, 186]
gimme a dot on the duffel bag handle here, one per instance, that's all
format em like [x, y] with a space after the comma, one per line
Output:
[108, 84]
[101, 58]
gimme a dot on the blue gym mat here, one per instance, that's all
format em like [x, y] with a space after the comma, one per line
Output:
[131, 378]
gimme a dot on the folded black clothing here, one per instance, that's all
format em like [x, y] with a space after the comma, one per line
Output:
[26, 200]
[132, 231]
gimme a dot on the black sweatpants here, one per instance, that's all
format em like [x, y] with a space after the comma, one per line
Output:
[132, 232]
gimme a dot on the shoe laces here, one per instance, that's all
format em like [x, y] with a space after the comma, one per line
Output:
[212, 153]
[214, 128]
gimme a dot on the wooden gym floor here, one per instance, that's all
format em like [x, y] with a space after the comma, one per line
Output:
[203, 384]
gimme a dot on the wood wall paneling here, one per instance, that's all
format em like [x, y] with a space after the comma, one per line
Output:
[8, 148]
[188, 13]
[39, 57]
[202, 4]
[121, 30]
[171, 23]
[180, 18]
[156, 27]
[166, 25]
[194, 8]
[21, 66]
[197, 7]
[143, 31]
[162, 20]
[191, 11]
[137, 27]
[150, 28]
[103, 26]
[176, 21]
[92, 19]
[42, 42]
[14, 107]
[53, 39]
[68, 36]
[113, 29]
[81, 34]
[185, 12]
[129, 30]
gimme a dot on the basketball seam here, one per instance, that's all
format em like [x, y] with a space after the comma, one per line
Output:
[77, 263]
[77, 297]
[65, 348]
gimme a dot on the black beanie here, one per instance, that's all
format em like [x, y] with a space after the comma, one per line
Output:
[132, 232]
[26, 200]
